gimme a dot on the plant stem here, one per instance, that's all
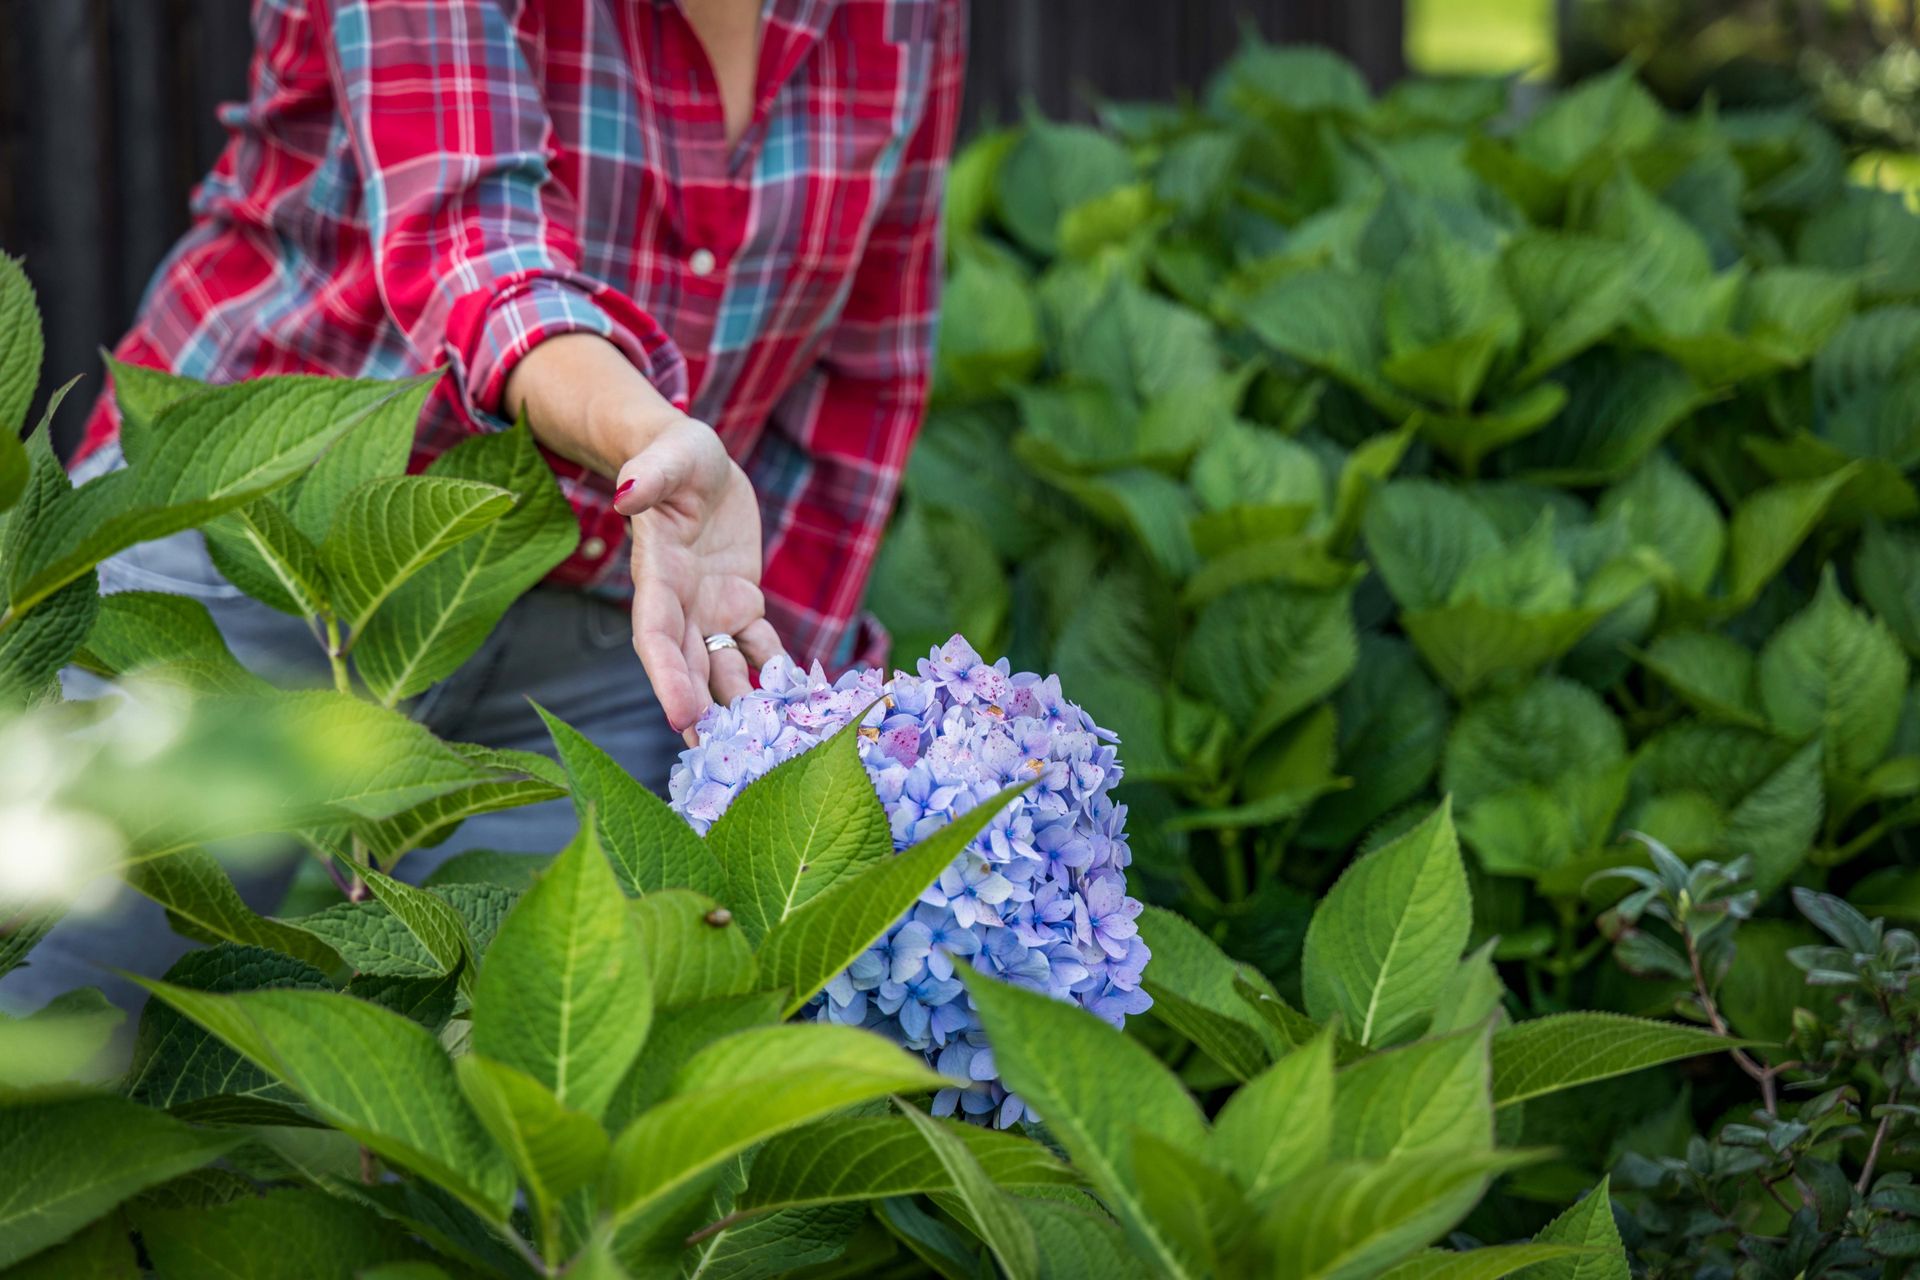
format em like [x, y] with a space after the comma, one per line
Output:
[1879, 1140]
[1234, 863]
[715, 1228]
[1763, 1076]
[336, 657]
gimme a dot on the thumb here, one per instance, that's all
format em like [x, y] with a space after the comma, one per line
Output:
[650, 477]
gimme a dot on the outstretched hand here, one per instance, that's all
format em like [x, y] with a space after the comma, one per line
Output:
[696, 569]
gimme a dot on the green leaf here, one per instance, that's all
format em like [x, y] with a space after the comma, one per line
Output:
[390, 528]
[212, 453]
[1425, 1097]
[692, 950]
[1351, 1219]
[1769, 791]
[556, 1149]
[34, 647]
[1713, 673]
[1192, 989]
[369, 1072]
[1545, 1055]
[64, 1042]
[1587, 1225]
[1280, 1125]
[1489, 1262]
[874, 1157]
[1767, 528]
[1095, 1086]
[1392, 721]
[21, 349]
[171, 637]
[651, 846]
[1075, 1242]
[440, 617]
[678, 1033]
[1837, 674]
[806, 826]
[993, 1215]
[179, 1067]
[825, 934]
[1330, 320]
[291, 1233]
[142, 394]
[1620, 406]
[1389, 931]
[261, 550]
[370, 939]
[1473, 993]
[1572, 291]
[1668, 513]
[1447, 316]
[202, 903]
[1265, 653]
[564, 993]
[1048, 171]
[745, 1089]
[432, 921]
[1421, 537]
[990, 330]
[510, 779]
[1887, 571]
[1469, 644]
[378, 450]
[87, 1155]
[103, 1251]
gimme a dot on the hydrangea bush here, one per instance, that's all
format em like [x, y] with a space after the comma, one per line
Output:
[1039, 899]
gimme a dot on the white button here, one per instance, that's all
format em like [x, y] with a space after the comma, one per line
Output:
[701, 262]
[593, 548]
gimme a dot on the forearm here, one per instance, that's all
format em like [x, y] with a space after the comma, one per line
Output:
[584, 400]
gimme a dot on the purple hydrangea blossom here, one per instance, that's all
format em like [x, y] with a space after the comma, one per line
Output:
[1037, 899]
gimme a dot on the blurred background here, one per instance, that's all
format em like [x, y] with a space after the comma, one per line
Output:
[108, 107]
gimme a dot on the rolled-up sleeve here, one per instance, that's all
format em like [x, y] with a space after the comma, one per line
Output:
[475, 248]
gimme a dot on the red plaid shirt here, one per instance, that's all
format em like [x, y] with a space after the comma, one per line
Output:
[414, 183]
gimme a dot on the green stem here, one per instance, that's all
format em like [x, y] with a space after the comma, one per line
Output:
[1234, 863]
[336, 656]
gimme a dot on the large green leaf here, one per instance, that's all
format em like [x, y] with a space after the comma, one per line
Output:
[1388, 933]
[810, 824]
[1587, 1225]
[1769, 526]
[1421, 536]
[379, 449]
[212, 453]
[1887, 571]
[556, 1149]
[432, 921]
[170, 637]
[1096, 1087]
[1489, 1262]
[1049, 170]
[564, 993]
[1563, 1050]
[873, 1157]
[744, 1089]
[693, 950]
[1192, 988]
[1392, 721]
[34, 647]
[1263, 654]
[366, 1071]
[1280, 1124]
[202, 903]
[509, 779]
[1572, 291]
[86, 1155]
[651, 846]
[1835, 673]
[1351, 1219]
[438, 618]
[21, 349]
[259, 549]
[1429, 1096]
[391, 527]
[826, 933]
[992, 1213]
[291, 1233]
[1669, 514]
[179, 1066]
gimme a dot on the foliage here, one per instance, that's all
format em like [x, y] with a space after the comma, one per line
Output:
[1816, 1180]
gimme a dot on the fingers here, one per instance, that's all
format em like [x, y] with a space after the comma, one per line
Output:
[759, 642]
[728, 675]
[694, 647]
[659, 628]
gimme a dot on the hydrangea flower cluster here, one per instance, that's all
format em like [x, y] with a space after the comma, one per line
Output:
[1039, 898]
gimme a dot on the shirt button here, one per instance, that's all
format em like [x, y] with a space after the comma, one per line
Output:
[593, 548]
[701, 262]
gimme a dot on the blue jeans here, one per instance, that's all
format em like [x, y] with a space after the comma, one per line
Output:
[570, 652]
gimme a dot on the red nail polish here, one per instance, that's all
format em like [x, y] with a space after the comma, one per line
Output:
[621, 492]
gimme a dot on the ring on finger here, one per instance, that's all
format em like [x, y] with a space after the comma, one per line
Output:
[721, 640]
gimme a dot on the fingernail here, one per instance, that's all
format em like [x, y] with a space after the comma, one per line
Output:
[621, 492]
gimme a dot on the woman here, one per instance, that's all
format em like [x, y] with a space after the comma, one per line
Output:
[695, 241]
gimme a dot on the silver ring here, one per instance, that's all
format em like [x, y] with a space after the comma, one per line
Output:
[721, 640]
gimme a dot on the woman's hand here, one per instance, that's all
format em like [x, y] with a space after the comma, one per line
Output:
[696, 569]
[695, 521]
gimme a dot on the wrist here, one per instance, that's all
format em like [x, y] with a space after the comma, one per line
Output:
[619, 428]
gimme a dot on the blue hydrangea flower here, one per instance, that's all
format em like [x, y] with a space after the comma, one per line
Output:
[1037, 899]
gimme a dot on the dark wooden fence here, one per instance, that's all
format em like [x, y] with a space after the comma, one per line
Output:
[107, 115]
